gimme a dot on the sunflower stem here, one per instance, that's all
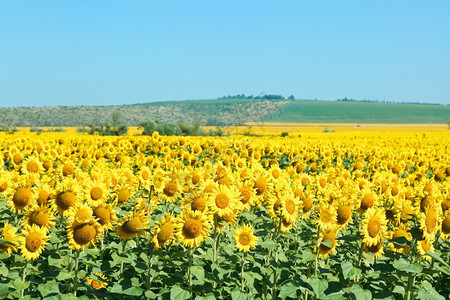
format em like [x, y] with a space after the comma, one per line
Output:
[75, 279]
[124, 245]
[316, 264]
[190, 254]
[242, 272]
[215, 239]
[149, 200]
[24, 274]
[150, 260]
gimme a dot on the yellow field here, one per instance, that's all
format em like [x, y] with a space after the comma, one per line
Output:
[360, 213]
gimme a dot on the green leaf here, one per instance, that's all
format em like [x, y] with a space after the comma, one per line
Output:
[308, 256]
[288, 290]
[318, 285]
[437, 257]
[348, 270]
[2, 241]
[237, 294]
[327, 243]
[335, 296]
[268, 244]
[360, 293]
[177, 293]
[150, 295]
[403, 265]
[430, 294]
[48, 288]
[399, 290]
[4, 271]
[132, 291]
[20, 285]
[251, 276]
[4, 290]
[198, 272]
[63, 275]
[401, 241]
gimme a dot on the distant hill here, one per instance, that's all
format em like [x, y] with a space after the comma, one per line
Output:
[226, 112]
[207, 112]
[312, 111]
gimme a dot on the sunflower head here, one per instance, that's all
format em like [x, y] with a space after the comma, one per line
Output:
[9, 234]
[32, 242]
[132, 225]
[164, 233]
[192, 228]
[244, 238]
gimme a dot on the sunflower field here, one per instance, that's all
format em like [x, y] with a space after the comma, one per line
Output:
[321, 216]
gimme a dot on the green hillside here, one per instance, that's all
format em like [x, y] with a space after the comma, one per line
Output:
[310, 111]
[207, 112]
[225, 112]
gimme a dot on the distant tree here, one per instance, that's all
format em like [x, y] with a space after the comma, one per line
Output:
[115, 117]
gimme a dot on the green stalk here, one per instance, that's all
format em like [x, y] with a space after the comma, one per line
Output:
[215, 240]
[190, 254]
[242, 272]
[75, 280]
[24, 274]
[150, 260]
[411, 277]
[316, 264]
[123, 251]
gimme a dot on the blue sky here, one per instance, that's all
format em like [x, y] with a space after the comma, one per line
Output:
[117, 52]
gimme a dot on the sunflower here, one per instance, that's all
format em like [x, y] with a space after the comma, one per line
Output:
[42, 216]
[191, 228]
[368, 199]
[21, 196]
[344, 214]
[374, 226]
[244, 238]
[144, 176]
[327, 237]
[429, 222]
[445, 226]
[9, 234]
[123, 192]
[376, 249]
[97, 284]
[224, 200]
[423, 246]
[289, 207]
[66, 195]
[79, 213]
[83, 234]
[248, 194]
[163, 235]
[224, 221]
[327, 217]
[32, 166]
[5, 182]
[401, 231]
[196, 201]
[132, 225]
[95, 192]
[66, 169]
[32, 241]
[106, 216]
[172, 191]
[44, 192]
[262, 182]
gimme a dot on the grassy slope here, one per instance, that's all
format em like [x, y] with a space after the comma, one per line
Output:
[310, 111]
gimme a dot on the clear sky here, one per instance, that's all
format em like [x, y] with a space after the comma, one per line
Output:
[124, 52]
